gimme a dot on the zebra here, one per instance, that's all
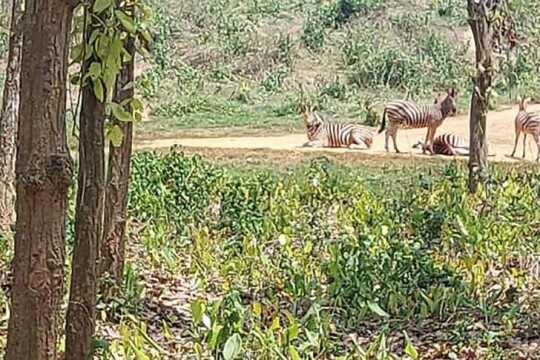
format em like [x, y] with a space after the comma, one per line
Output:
[447, 144]
[332, 134]
[527, 123]
[410, 115]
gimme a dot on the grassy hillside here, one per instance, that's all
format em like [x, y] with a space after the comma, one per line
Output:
[246, 64]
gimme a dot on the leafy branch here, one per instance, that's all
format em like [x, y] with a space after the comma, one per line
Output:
[105, 26]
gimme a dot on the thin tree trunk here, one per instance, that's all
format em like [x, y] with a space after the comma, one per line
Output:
[113, 245]
[10, 118]
[478, 164]
[44, 170]
[81, 314]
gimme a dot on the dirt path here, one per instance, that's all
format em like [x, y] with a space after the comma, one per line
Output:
[500, 139]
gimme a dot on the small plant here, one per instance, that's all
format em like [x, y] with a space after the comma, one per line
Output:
[273, 80]
[313, 34]
[334, 89]
[372, 118]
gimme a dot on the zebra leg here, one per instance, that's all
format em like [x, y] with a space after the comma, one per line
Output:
[358, 140]
[386, 138]
[428, 137]
[432, 132]
[515, 143]
[537, 140]
[355, 146]
[315, 144]
[524, 143]
[459, 151]
[394, 130]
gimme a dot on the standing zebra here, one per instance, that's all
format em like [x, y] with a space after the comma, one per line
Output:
[410, 115]
[329, 134]
[446, 144]
[527, 123]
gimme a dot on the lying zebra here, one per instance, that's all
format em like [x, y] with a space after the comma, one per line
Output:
[333, 134]
[446, 144]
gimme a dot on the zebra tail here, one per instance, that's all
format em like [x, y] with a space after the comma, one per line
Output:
[383, 123]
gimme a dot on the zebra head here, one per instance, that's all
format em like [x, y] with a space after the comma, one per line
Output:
[523, 102]
[448, 102]
[418, 145]
[312, 119]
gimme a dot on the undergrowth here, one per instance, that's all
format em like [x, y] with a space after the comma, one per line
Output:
[322, 259]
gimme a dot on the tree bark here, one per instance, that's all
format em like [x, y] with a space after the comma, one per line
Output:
[10, 118]
[44, 170]
[478, 164]
[81, 314]
[113, 245]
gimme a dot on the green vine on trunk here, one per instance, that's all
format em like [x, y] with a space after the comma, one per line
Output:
[99, 33]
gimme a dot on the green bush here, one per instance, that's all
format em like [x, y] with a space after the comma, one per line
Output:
[334, 247]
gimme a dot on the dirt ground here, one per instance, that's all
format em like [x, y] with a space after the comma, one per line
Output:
[500, 139]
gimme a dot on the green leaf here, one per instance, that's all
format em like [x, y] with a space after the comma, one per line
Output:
[377, 309]
[120, 113]
[293, 331]
[146, 35]
[198, 349]
[94, 36]
[127, 22]
[257, 308]
[138, 117]
[293, 353]
[98, 89]
[139, 353]
[197, 310]
[76, 53]
[94, 70]
[101, 5]
[136, 104]
[167, 330]
[109, 78]
[114, 134]
[103, 45]
[409, 349]
[216, 331]
[275, 324]
[232, 347]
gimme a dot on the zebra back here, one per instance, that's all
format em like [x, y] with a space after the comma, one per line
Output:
[410, 114]
[528, 122]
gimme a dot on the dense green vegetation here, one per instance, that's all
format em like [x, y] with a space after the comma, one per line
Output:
[241, 64]
[319, 259]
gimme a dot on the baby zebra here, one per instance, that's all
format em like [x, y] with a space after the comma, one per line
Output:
[446, 144]
[527, 123]
[329, 134]
[413, 116]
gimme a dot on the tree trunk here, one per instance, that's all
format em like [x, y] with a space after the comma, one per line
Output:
[9, 119]
[44, 170]
[113, 245]
[81, 314]
[478, 164]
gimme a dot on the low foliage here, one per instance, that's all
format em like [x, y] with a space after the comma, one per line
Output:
[283, 262]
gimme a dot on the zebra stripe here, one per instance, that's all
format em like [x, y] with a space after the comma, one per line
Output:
[447, 144]
[527, 123]
[409, 115]
[321, 133]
